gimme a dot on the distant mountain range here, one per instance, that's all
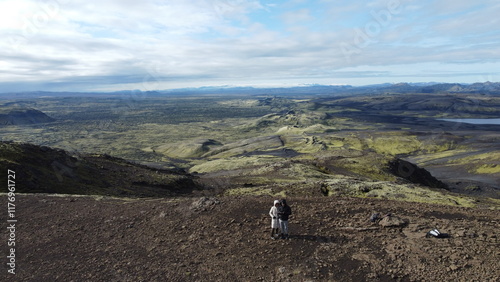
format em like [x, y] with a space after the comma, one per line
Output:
[491, 88]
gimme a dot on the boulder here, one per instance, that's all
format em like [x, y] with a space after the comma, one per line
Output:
[204, 204]
[392, 221]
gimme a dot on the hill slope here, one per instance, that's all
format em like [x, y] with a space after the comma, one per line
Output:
[42, 169]
[22, 116]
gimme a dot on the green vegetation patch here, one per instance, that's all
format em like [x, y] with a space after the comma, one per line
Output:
[488, 169]
[394, 145]
[233, 163]
[393, 191]
[188, 149]
[485, 163]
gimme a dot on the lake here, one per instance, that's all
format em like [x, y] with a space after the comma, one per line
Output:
[474, 120]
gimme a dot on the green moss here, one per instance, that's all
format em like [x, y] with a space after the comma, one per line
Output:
[304, 144]
[346, 186]
[355, 143]
[395, 145]
[486, 163]
[257, 191]
[233, 163]
[488, 169]
[334, 142]
[490, 156]
[420, 195]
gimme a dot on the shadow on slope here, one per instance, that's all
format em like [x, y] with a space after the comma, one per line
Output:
[42, 169]
[19, 116]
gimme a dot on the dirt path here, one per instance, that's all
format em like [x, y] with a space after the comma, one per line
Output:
[185, 239]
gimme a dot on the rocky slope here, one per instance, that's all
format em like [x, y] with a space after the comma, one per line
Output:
[42, 169]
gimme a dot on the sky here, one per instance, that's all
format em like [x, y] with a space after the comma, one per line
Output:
[109, 45]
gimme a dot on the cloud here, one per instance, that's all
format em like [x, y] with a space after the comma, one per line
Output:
[122, 43]
[296, 17]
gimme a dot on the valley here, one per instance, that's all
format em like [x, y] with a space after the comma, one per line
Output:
[261, 143]
[143, 187]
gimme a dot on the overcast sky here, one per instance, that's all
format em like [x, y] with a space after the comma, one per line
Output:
[88, 45]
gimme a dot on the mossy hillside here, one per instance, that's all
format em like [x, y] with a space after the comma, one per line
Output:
[472, 160]
[412, 193]
[442, 157]
[233, 163]
[371, 172]
[299, 121]
[342, 186]
[312, 129]
[334, 143]
[484, 157]
[261, 143]
[420, 148]
[145, 123]
[262, 170]
[362, 163]
[279, 190]
[488, 169]
[257, 191]
[348, 124]
[394, 144]
[188, 149]
[355, 142]
[267, 123]
[300, 171]
[305, 167]
[482, 163]
[409, 193]
[305, 144]
[239, 103]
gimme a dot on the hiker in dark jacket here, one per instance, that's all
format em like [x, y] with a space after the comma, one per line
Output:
[284, 212]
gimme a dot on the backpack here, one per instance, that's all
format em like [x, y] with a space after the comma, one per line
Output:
[436, 233]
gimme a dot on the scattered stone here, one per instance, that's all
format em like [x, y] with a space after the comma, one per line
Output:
[347, 249]
[204, 204]
[392, 221]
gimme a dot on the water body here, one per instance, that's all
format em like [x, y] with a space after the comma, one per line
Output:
[474, 120]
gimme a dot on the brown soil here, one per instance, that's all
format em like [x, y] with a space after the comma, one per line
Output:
[187, 239]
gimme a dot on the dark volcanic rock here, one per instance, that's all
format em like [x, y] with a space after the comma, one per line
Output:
[48, 170]
[108, 239]
[415, 174]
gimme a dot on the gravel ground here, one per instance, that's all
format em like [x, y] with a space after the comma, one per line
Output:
[69, 238]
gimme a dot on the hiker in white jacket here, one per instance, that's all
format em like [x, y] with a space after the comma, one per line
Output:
[274, 219]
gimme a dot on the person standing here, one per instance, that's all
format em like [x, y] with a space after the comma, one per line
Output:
[274, 219]
[284, 212]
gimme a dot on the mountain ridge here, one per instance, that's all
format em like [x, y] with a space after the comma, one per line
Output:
[314, 89]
